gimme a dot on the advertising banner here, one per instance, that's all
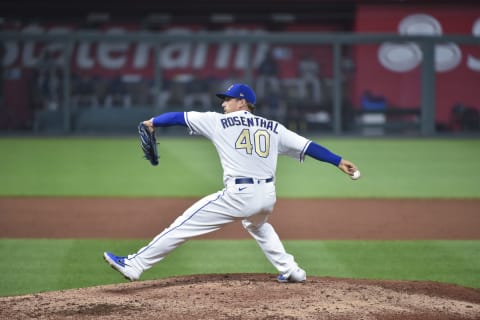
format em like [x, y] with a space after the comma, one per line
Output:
[25, 62]
[393, 70]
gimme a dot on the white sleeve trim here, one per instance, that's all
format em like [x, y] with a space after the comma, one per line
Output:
[302, 154]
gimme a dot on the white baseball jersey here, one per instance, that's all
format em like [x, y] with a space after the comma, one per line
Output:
[248, 145]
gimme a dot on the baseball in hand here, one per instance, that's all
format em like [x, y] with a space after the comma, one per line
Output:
[355, 175]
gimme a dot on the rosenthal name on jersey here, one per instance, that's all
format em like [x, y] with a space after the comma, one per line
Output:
[250, 122]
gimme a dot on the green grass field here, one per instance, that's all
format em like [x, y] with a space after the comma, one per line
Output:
[43, 265]
[391, 168]
[416, 168]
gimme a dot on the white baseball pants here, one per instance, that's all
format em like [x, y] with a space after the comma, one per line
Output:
[251, 203]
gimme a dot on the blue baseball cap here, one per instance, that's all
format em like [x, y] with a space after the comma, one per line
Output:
[239, 91]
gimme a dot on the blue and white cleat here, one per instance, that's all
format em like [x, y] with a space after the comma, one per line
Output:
[121, 265]
[296, 276]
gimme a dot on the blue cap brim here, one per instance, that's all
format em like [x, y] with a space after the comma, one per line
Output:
[223, 96]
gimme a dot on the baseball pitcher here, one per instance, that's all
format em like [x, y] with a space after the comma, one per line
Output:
[248, 146]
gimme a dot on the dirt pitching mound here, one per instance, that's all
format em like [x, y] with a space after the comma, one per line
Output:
[251, 296]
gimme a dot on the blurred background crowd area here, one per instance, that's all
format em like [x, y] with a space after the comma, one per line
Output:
[294, 82]
[187, 89]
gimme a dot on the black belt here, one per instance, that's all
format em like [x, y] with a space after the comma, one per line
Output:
[251, 180]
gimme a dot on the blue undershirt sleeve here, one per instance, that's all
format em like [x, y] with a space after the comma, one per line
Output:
[318, 152]
[169, 119]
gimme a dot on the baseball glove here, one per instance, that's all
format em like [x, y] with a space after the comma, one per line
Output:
[148, 142]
